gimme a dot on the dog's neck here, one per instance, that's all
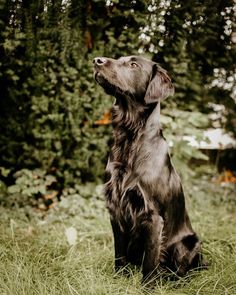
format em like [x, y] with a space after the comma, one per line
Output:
[132, 115]
[153, 121]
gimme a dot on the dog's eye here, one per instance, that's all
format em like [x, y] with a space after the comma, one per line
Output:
[133, 65]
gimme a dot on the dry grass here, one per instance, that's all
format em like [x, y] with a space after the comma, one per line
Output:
[37, 259]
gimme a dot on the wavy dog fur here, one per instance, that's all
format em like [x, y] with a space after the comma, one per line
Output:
[144, 194]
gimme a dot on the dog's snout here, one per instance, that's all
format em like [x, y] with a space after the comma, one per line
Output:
[99, 61]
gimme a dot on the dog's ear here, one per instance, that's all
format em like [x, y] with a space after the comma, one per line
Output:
[159, 87]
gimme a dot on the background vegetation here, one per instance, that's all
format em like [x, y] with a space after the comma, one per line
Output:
[50, 103]
[55, 135]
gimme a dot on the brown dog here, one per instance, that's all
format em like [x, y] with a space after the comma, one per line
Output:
[144, 194]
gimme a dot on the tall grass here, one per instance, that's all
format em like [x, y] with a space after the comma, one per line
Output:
[35, 257]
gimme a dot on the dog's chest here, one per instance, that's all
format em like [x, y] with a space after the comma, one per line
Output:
[122, 158]
[126, 204]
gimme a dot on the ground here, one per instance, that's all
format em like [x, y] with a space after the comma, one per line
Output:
[38, 257]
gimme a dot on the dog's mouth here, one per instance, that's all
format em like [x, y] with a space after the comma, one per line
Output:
[100, 78]
[97, 75]
[104, 82]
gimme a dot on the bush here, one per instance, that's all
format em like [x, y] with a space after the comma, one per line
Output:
[50, 103]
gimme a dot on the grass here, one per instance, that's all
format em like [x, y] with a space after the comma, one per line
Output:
[37, 259]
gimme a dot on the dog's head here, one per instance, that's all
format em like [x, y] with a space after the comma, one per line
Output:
[133, 76]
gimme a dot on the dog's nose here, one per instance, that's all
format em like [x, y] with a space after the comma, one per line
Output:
[99, 61]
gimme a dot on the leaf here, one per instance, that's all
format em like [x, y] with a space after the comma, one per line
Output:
[4, 172]
[50, 179]
[71, 235]
[13, 189]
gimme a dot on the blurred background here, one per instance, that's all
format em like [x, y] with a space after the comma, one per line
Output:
[55, 134]
[55, 121]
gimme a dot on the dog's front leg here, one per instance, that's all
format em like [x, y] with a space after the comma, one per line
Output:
[152, 235]
[120, 243]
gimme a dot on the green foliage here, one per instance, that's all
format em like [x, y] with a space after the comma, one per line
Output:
[35, 188]
[31, 183]
[50, 102]
[86, 201]
[178, 125]
[30, 188]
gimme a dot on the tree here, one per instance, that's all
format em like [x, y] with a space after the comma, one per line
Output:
[50, 104]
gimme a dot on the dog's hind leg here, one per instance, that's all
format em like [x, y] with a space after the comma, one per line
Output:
[185, 255]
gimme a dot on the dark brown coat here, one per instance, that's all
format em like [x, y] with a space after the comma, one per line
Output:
[144, 194]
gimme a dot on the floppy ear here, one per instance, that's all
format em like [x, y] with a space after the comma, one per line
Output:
[159, 87]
